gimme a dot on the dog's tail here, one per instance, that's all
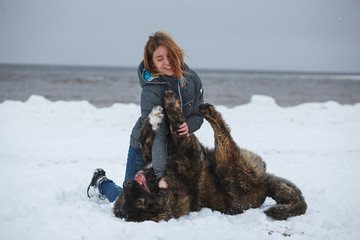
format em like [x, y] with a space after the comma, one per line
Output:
[289, 199]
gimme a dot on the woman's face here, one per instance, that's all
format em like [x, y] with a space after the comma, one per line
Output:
[161, 61]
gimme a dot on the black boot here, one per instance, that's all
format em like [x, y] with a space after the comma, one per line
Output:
[93, 191]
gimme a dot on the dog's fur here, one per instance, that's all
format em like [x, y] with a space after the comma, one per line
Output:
[227, 178]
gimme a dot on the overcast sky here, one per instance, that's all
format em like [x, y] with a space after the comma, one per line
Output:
[288, 35]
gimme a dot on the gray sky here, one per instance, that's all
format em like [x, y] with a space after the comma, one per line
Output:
[289, 35]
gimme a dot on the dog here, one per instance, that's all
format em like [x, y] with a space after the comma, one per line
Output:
[226, 178]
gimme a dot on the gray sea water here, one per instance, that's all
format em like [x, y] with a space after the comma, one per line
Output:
[103, 86]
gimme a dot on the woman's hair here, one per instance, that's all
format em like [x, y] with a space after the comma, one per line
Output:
[176, 54]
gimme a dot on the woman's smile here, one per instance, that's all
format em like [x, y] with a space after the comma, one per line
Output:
[161, 61]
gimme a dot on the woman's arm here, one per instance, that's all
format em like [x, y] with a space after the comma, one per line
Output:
[150, 97]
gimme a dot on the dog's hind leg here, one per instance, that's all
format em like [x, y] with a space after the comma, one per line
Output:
[289, 199]
[215, 119]
[233, 163]
[224, 143]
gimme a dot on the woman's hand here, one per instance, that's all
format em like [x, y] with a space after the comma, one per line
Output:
[162, 183]
[184, 129]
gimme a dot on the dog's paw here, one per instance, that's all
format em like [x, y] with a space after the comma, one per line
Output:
[169, 94]
[207, 109]
[156, 117]
[171, 103]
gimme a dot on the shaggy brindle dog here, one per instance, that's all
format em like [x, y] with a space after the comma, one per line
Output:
[227, 178]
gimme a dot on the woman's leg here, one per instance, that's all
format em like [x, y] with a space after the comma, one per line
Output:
[110, 190]
[133, 165]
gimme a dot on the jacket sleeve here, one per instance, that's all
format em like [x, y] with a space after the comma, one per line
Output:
[149, 99]
[159, 151]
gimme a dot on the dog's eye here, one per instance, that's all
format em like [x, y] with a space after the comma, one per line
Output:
[140, 201]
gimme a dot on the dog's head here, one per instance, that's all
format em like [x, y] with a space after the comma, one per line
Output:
[137, 204]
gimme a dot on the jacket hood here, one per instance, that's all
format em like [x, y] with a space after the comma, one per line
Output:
[151, 80]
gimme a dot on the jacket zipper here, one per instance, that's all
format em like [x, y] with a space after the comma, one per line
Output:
[181, 102]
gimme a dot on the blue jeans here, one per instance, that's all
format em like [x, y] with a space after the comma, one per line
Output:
[134, 163]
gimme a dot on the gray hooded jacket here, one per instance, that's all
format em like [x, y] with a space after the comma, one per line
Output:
[190, 95]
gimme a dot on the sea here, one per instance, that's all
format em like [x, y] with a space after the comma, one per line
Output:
[104, 86]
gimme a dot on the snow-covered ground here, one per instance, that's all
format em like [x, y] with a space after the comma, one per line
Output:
[48, 151]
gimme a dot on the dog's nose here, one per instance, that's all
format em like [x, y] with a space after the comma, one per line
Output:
[128, 183]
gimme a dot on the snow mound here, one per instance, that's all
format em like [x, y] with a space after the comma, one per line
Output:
[263, 100]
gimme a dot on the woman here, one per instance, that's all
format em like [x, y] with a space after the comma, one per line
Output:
[162, 69]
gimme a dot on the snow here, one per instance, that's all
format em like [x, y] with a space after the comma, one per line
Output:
[48, 151]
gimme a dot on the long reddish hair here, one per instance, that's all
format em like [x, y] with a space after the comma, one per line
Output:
[176, 54]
